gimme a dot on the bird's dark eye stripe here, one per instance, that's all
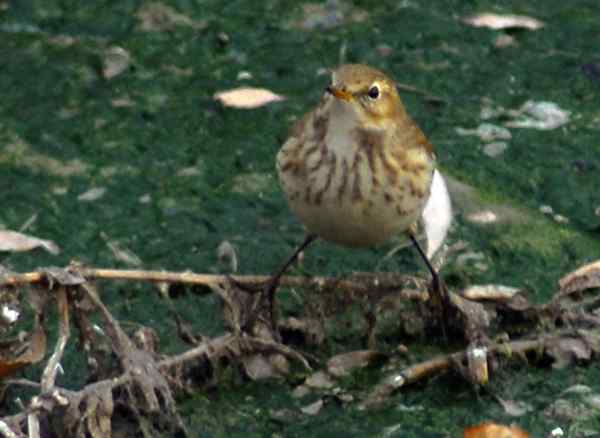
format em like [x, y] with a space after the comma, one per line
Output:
[374, 92]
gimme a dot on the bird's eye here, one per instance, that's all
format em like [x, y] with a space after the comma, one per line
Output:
[374, 92]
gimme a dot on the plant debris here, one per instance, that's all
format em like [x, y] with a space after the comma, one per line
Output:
[130, 372]
[498, 21]
[247, 97]
[115, 60]
[17, 242]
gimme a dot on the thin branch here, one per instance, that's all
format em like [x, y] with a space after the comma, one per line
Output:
[355, 284]
[205, 349]
[6, 431]
[33, 425]
[440, 364]
[22, 382]
[279, 348]
[49, 375]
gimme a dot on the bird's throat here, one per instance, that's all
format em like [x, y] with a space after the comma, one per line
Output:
[343, 123]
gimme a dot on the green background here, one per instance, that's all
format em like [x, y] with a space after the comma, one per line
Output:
[63, 132]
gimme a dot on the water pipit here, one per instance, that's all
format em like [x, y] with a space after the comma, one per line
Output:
[356, 170]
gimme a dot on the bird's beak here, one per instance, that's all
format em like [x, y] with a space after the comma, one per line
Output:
[339, 94]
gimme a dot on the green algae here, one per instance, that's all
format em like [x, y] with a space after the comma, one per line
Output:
[135, 133]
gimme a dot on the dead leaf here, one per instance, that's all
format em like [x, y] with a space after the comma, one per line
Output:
[487, 132]
[19, 153]
[577, 389]
[482, 217]
[539, 115]
[474, 314]
[343, 364]
[92, 194]
[121, 253]
[518, 303]
[566, 350]
[498, 21]
[300, 391]
[18, 242]
[115, 60]
[514, 408]
[258, 367]
[493, 430]
[62, 276]
[247, 97]
[36, 349]
[313, 408]
[319, 380]
[158, 17]
[586, 277]
[493, 292]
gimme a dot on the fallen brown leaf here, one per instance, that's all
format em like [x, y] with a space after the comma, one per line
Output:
[515, 408]
[34, 353]
[493, 292]
[498, 21]
[343, 364]
[247, 97]
[157, 17]
[319, 380]
[313, 408]
[539, 115]
[16, 242]
[115, 60]
[586, 277]
[92, 194]
[564, 351]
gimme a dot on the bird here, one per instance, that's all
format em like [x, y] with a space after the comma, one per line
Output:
[356, 170]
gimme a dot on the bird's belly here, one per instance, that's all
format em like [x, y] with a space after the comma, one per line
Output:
[364, 223]
[350, 198]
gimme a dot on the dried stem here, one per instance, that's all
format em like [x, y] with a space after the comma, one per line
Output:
[6, 431]
[381, 281]
[53, 365]
[440, 364]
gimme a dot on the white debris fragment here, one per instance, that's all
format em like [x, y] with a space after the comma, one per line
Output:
[539, 115]
[487, 132]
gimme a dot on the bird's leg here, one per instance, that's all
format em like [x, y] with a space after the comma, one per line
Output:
[437, 284]
[273, 283]
[269, 288]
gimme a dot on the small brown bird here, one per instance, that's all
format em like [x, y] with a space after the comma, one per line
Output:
[356, 170]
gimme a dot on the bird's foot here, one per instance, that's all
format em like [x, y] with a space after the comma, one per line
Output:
[440, 303]
[264, 307]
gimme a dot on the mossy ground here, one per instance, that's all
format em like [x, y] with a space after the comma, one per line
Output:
[62, 132]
